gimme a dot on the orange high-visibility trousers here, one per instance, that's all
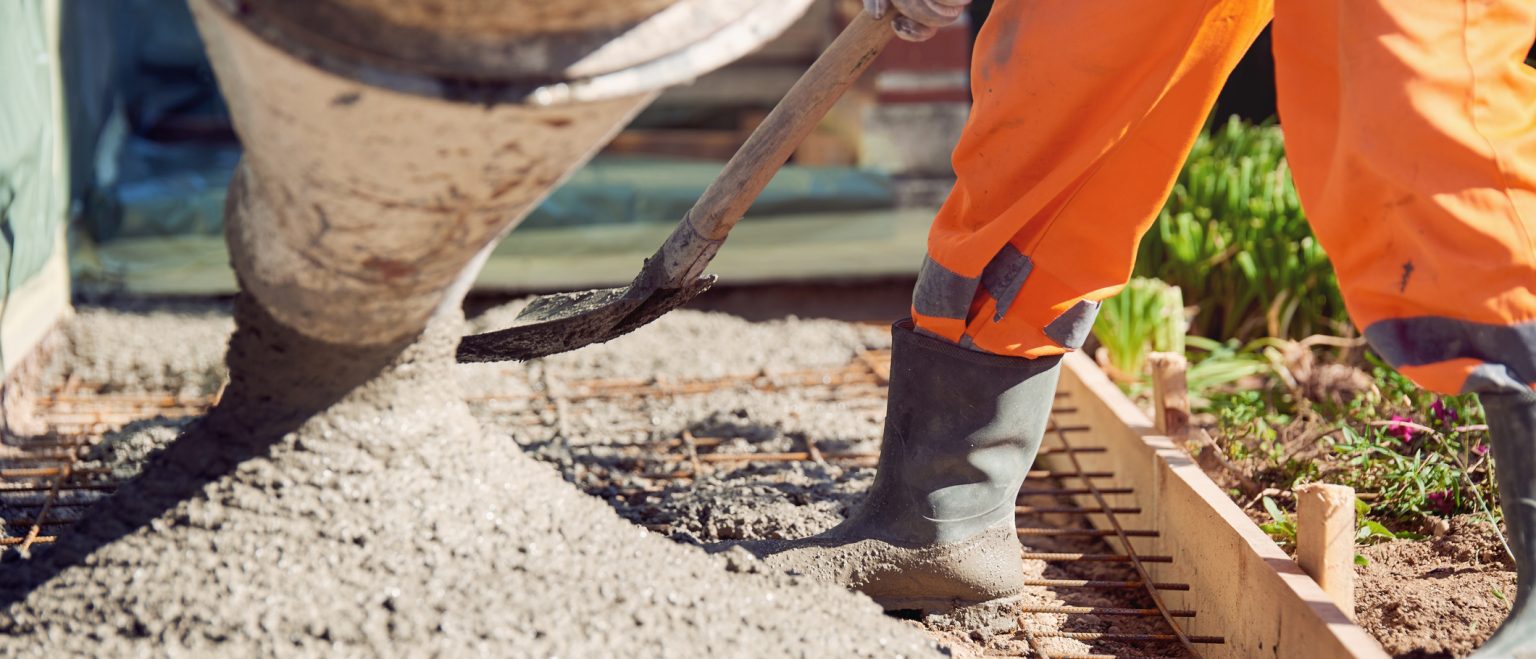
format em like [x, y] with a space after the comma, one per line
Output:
[1410, 125]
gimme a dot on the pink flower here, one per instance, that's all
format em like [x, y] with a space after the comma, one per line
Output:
[1442, 502]
[1399, 428]
[1480, 449]
[1445, 414]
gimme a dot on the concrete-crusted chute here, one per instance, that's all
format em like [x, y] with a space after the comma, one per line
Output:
[389, 142]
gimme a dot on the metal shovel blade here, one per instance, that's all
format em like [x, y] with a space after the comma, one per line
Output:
[561, 322]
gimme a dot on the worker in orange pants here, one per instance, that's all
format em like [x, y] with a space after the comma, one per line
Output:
[1411, 127]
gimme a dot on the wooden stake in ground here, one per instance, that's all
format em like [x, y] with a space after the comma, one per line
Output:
[1170, 394]
[1325, 540]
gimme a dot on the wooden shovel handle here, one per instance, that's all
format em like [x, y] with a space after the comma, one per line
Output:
[696, 239]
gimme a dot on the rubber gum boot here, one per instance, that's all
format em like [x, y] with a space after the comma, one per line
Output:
[935, 532]
[1512, 429]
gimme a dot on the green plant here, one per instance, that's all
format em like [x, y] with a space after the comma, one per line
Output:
[1424, 454]
[1233, 236]
[1147, 316]
[1410, 481]
[1280, 527]
[1369, 531]
[1214, 364]
[1248, 420]
[1233, 243]
[1411, 452]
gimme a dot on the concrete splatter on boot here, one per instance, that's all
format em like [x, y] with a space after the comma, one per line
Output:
[935, 532]
[1512, 426]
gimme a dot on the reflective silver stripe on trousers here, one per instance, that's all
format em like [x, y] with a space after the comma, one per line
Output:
[1071, 328]
[1003, 277]
[941, 293]
[1509, 350]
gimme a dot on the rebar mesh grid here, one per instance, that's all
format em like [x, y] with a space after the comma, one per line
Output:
[44, 488]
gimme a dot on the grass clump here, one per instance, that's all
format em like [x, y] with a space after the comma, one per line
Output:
[1147, 316]
[1234, 238]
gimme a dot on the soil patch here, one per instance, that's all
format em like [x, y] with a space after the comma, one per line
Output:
[1436, 598]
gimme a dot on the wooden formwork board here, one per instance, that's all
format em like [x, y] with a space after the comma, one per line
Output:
[30, 312]
[1243, 587]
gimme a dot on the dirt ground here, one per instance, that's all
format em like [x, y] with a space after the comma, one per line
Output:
[1436, 598]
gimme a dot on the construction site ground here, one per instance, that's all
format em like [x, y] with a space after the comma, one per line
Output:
[705, 427]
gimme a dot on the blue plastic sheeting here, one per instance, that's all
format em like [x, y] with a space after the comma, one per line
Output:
[165, 190]
[179, 191]
[163, 164]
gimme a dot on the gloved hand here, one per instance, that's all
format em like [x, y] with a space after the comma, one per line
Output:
[919, 19]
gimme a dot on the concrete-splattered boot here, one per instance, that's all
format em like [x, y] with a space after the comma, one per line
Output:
[1512, 427]
[935, 532]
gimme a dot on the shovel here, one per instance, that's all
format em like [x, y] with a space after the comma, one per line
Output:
[559, 322]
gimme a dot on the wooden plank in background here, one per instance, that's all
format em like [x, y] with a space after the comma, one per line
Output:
[811, 247]
[30, 312]
[680, 143]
